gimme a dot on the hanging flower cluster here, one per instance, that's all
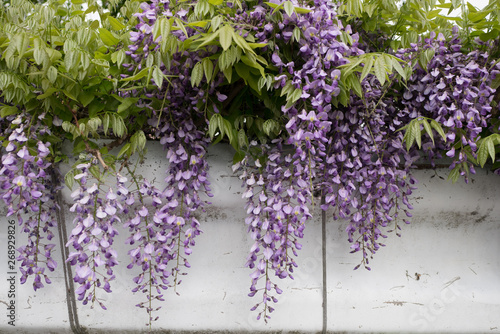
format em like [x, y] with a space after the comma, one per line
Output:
[167, 234]
[277, 209]
[455, 90]
[367, 177]
[97, 209]
[28, 190]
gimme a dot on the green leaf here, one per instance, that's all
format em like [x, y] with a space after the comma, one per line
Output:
[69, 60]
[228, 73]
[367, 68]
[353, 82]
[247, 61]
[242, 139]
[115, 24]
[124, 150]
[220, 125]
[289, 9]
[48, 92]
[482, 152]
[69, 178]
[127, 103]
[137, 142]
[118, 125]
[238, 156]
[208, 38]
[137, 76]
[228, 130]
[411, 133]
[70, 128]
[397, 66]
[478, 16]
[436, 126]
[208, 68]
[93, 124]
[380, 70]
[226, 36]
[269, 126]
[196, 74]
[491, 148]
[161, 28]
[85, 97]
[181, 26]
[428, 129]
[295, 96]
[52, 74]
[215, 2]
[213, 125]
[107, 37]
[418, 134]
[388, 63]
[215, 22]
[454, 174]
[8, 110]
[105, 123]
[242, 43]
[158, 77]
[300, 10]
[40, 56]
[21, 42]
[296, 33]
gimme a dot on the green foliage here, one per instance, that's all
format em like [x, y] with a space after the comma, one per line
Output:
[413, 131]
[67, 66]
[57, 60]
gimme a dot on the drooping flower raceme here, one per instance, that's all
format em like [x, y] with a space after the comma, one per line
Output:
[454, 90]
[96, 208]
[28, 189]
[277, 210]
[166, 233]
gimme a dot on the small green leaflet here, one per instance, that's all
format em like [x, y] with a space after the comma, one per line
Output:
[226, 36]
[487, 148]
[8, 110]
[137, 76]
[127, 103]
[52, 74]
[367, 68]
[213, 125]
[380, 70]
[107, 37]
[196, 74]
[115, 24]
[208, 68]
[289, 9]
[297, 10]
[158, 77]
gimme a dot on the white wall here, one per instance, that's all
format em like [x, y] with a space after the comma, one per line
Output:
[453, 243]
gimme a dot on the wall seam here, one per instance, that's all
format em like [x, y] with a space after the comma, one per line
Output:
[68, 274]
[323, 255]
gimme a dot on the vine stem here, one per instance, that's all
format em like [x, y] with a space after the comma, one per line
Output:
[150, 269]
[93, 151]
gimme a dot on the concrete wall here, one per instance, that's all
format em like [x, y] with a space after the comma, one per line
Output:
[452, 245]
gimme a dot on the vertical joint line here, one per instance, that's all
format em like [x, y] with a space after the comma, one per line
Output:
[323, 254]
[68, 275]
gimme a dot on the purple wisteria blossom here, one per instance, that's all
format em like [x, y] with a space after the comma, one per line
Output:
[165, 233]
[454, 90]
[277, 210]
[97, 215]
[28, 190]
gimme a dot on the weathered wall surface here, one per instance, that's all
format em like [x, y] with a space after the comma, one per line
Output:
[442, 275]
